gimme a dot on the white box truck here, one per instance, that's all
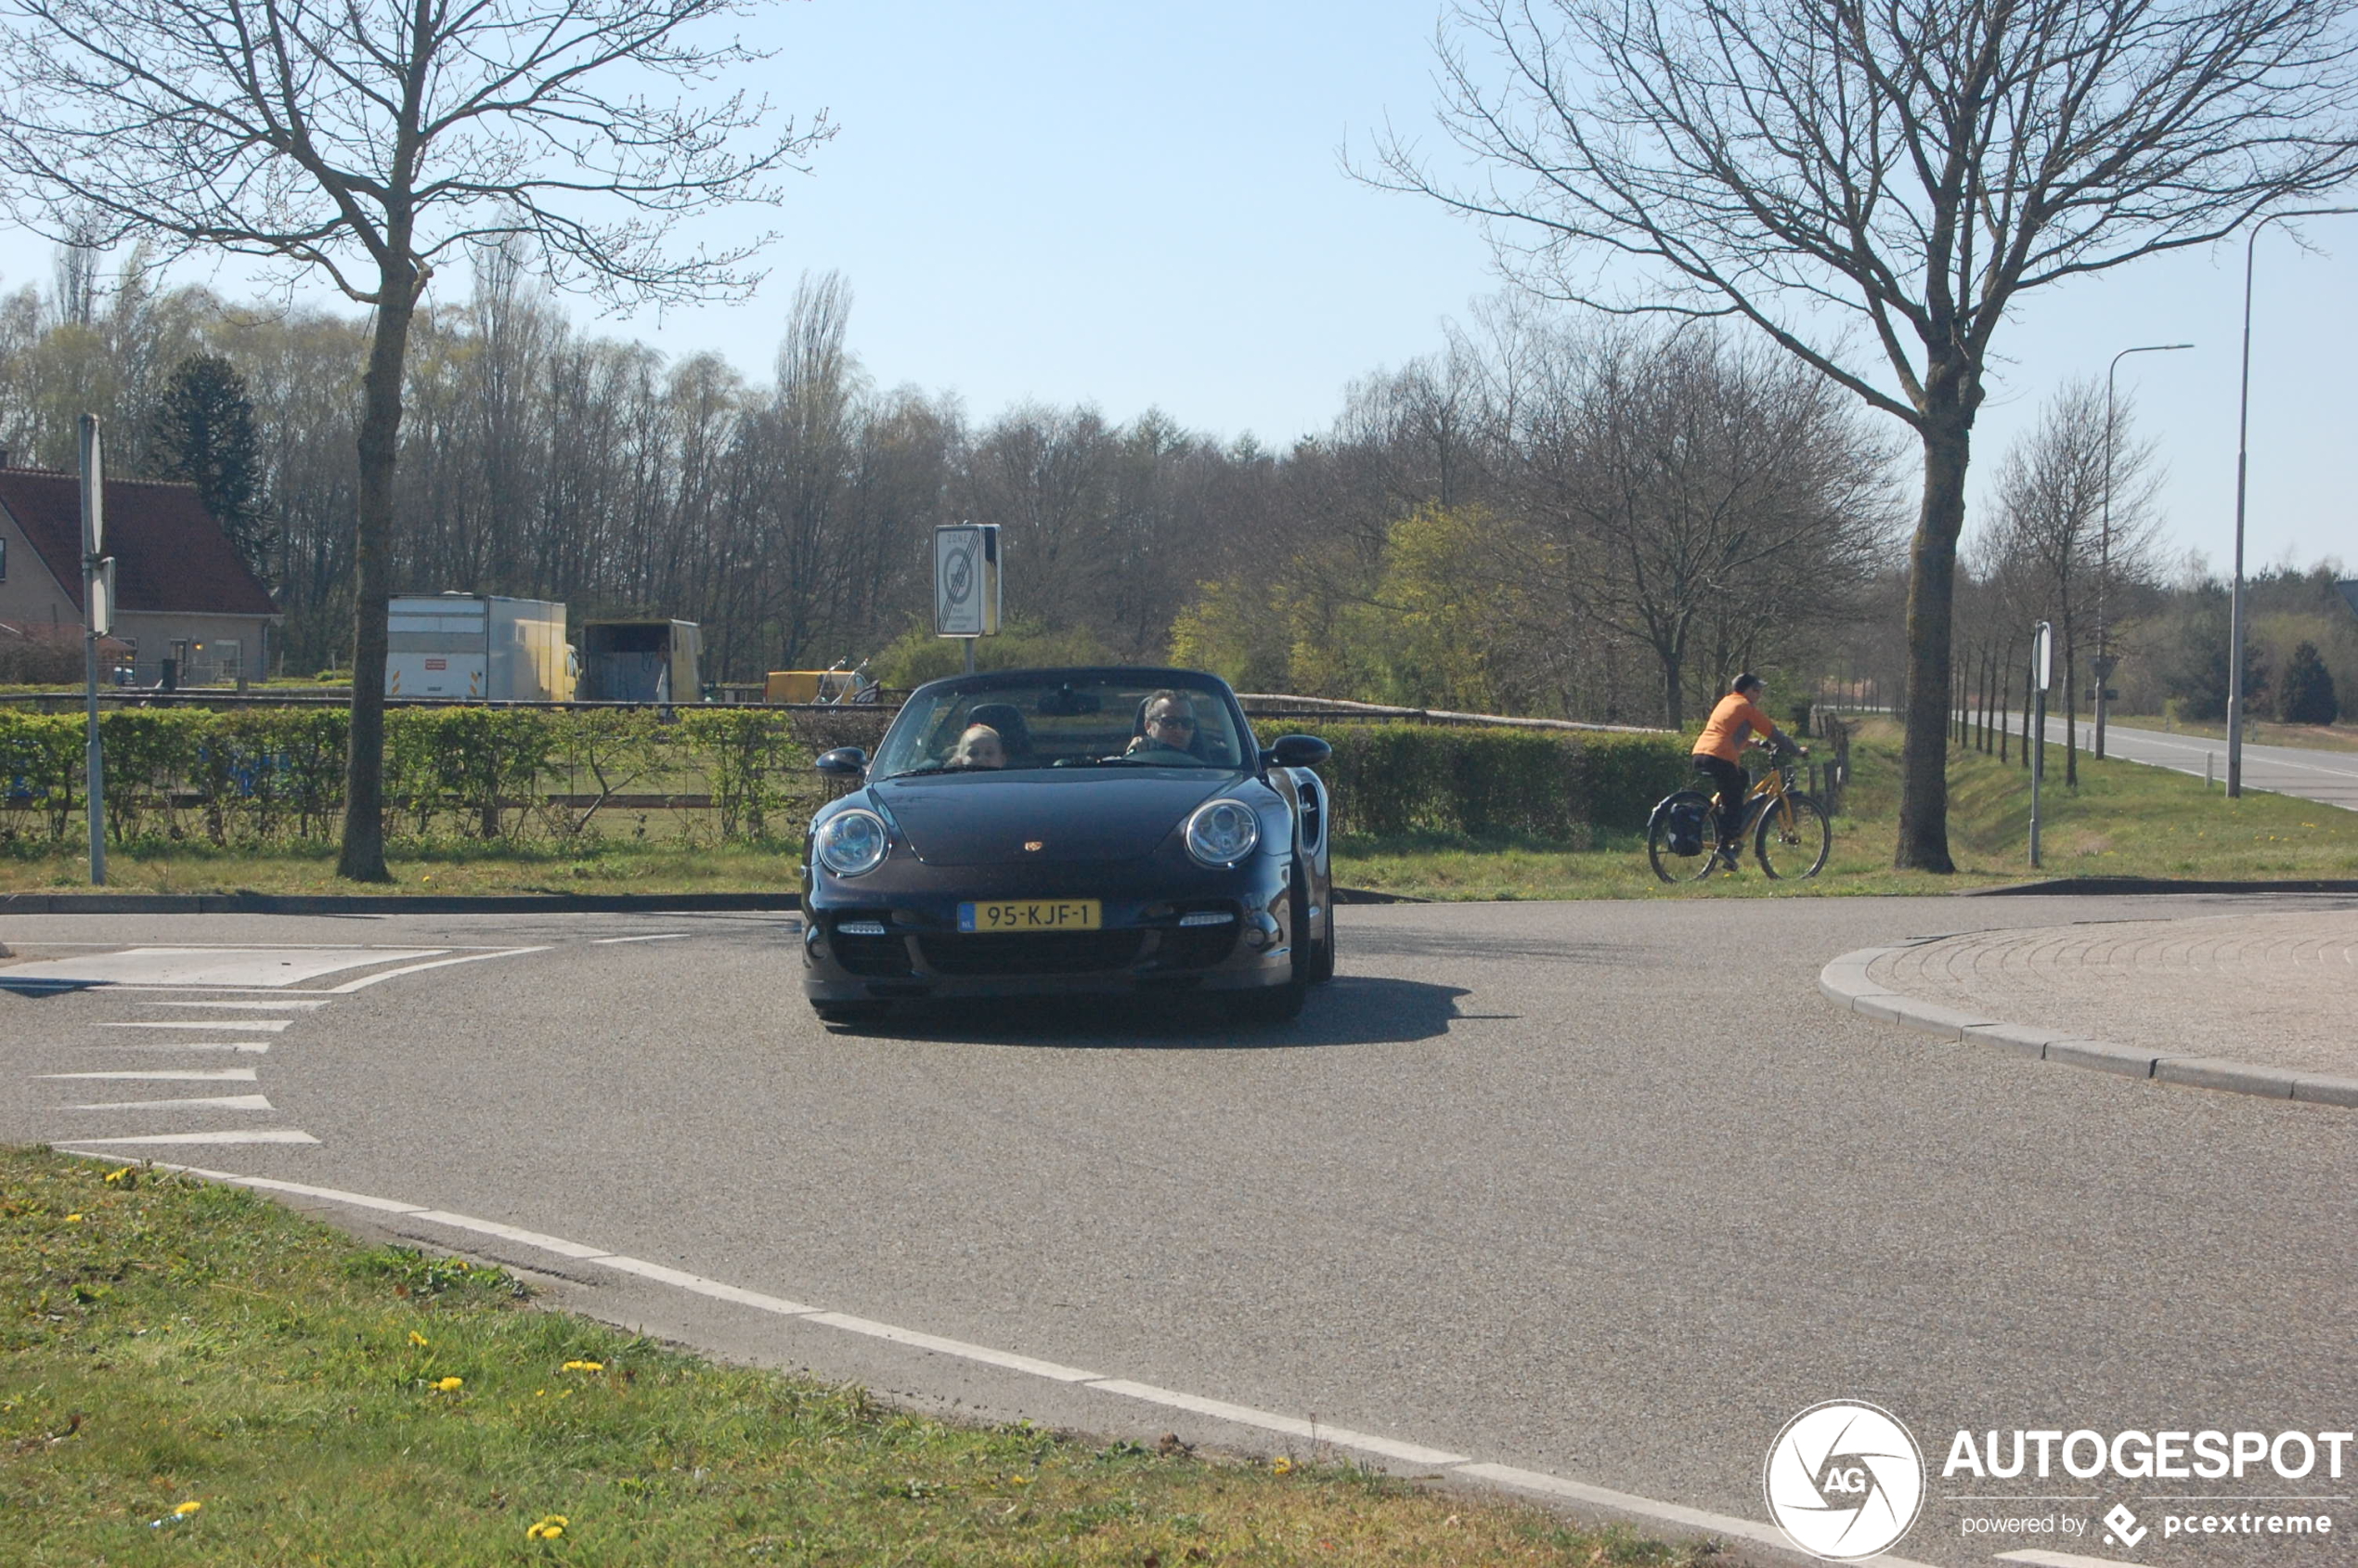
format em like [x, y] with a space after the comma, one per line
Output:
[478, 646]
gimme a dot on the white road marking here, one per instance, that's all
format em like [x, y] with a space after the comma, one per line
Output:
[1340, 1437]
[259, 1135]
[609, 941]
[2059, 1559]
[170, 1075]
[703, 1286]
[285, 1002]
[959, 1348]
[216, 1102]
[367, 980]
[267, 1026]
[197, 966]
[1292, 1426]
[251, 1047]
[556, 1244]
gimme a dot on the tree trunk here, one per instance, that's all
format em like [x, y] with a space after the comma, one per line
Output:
[363, 859]
[2071, 707]
[2005, 697]
[1931, 581]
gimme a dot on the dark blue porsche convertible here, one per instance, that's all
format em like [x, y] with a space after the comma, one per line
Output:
[1088, 831]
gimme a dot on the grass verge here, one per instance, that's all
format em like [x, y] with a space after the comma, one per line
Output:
[2124, 820]
[197, 1375]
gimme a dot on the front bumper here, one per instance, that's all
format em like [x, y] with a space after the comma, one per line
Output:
[865, 942]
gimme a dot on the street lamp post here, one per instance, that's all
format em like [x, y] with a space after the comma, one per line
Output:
[2106, 663]
[2243, 431]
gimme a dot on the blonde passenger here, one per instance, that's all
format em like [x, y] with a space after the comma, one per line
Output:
[979, 746]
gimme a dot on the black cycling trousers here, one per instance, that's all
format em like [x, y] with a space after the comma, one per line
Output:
[1732, 785]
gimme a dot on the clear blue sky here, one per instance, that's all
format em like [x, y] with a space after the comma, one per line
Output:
[1137, 207]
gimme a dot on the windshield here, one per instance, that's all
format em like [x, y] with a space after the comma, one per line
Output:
[1064, 718]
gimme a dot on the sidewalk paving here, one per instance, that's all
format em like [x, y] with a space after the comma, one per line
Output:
[2278, 990]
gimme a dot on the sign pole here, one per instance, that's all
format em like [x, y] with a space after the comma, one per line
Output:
[2043, 648]
[96, 616]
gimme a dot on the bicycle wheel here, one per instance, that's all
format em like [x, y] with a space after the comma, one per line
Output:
[1669, 865]
[1793, 838]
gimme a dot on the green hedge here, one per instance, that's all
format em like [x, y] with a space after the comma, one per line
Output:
[262, 775]
[1389, 780]
[273, 775]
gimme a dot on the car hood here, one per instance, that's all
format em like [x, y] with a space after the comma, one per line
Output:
[1080, 814]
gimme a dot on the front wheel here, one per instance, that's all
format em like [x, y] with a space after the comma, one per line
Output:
[1793, 838]
[1694, 807]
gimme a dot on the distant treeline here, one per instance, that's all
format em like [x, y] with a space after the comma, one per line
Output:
[1550, 516]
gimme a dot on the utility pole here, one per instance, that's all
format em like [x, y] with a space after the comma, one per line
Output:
[2042, 669]
[2105, 663]
[98, 620]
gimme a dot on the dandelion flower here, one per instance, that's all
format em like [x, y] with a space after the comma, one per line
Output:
[418, 1339]
[115, 1176]
[585, 1367]
[548, 1529]
[73, 1219]
[185, 1509]
[450, 1385]
[1281, 1465]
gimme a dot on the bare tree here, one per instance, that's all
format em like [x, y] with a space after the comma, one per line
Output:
[366, 140]
[2053, 543]
[1696, 490]
[1910, 167]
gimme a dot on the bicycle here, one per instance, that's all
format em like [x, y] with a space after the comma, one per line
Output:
[1790, 832]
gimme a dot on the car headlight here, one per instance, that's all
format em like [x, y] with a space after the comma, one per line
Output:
[852, 843]
[1222, 832]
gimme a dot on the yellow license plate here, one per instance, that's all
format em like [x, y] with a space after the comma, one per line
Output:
[1032, 914]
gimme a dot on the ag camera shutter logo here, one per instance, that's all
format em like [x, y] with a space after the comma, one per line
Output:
[1843, 1479]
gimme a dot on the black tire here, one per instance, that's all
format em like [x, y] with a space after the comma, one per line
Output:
[1681, 868]
[1321, 967]
[849, 1014]
[1276, 1004]
[1793, 837]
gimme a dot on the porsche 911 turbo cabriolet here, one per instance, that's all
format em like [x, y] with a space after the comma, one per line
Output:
[1056, 831]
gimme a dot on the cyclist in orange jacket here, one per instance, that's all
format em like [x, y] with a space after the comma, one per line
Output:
[1719, 755]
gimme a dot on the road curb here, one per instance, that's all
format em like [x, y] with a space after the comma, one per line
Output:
[1844, 982]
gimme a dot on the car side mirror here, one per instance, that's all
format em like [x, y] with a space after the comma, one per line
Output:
[845, 761]
[1298, 751]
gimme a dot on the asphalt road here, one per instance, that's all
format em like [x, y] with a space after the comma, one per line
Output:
[1605, 1191]
[2327, 777]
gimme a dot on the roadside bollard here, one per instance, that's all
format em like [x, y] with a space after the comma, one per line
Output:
[2206, 767]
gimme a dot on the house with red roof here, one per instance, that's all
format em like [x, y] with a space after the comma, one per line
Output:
[181, 591]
